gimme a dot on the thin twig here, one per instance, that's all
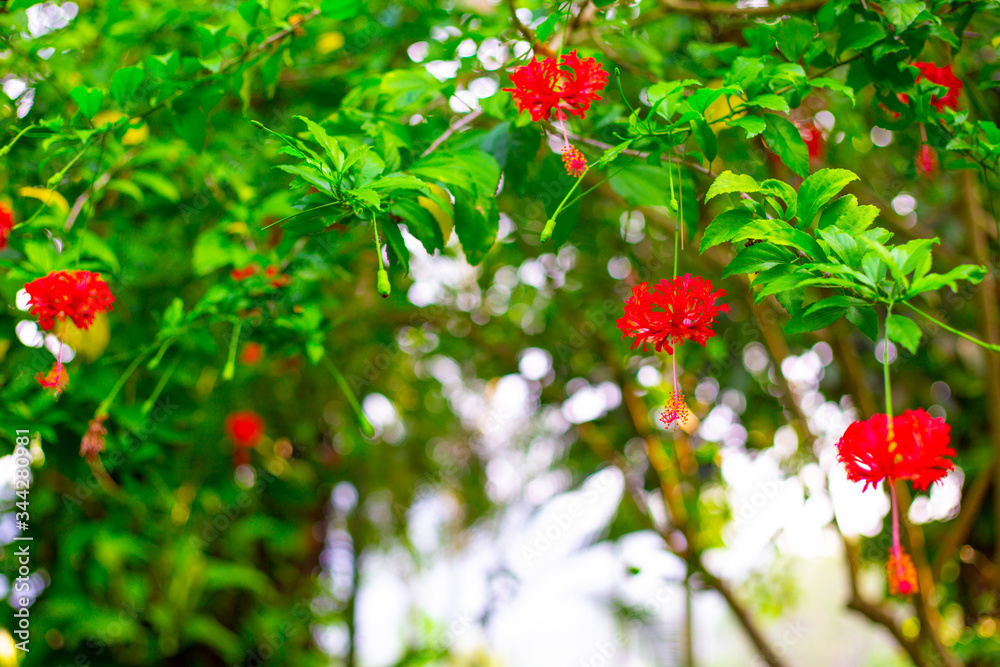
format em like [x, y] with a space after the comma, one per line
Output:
[454, 127]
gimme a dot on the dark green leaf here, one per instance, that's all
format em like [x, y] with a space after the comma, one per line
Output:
[784, 139]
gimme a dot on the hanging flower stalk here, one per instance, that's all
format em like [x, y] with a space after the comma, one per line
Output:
[666, 315]
[552, 88]
[912, 446]
[74, 295]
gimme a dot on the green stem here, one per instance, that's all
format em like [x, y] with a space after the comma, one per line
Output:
[158, 389]
[6, 149]
[106, 403]
[230, 369]
[295, 215]
[673, 209]
[885, 366]
[960, 334]
[366, 426]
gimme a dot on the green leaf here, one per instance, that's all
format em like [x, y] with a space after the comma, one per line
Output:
[706, 138]
[702, 98]
[771, 102]
[756, 258]
[820, 314]
[329, 144]
[397, 181]
[883, 254]
[340, 10]
[935, 281]
[163, 67]
[794, 35]
[752, 125]
[473, 177]
[902, 14]
[904, 331]
[643, 185]
[831, 84]
[250, 11]
[420, 223]
[861, 35]
[161, 185]
[202, 629]
[728, 182]
[396, 243]
[310, 175]
[88, 100]
[817, 190]
[866, 319]
[125, 82]
[367, 197]
[782, 191]
[845, 214]
[784, 139]
[725, 227]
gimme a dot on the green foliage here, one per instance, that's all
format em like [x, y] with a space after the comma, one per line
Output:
[235, 170]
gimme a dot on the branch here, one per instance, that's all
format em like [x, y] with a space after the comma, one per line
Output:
[743, 616]
[454, 127]
[525, 31]
[873, 612]
[986, 304]
[710, 9]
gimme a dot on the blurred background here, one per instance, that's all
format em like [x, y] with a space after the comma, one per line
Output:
[514, 500]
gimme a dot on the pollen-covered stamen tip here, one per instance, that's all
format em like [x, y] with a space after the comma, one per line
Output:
[575, 162]
[901, 573]
[676, 411]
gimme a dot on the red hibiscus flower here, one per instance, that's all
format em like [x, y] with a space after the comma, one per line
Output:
[78, 295]
[942, 76]
[6, 225]
[671, 312]
[927, 161]
[542, 88]
[245, 428]
[915, 449]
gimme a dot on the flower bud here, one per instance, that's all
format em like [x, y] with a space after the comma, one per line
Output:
[550, 226]
[383, 283]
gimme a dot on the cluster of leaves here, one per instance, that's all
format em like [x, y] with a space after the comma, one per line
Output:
[811, 238]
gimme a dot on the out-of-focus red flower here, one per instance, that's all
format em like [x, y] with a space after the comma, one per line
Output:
[901, 573]
[56, 380]
[6, 224]
[574, 161]
[813, 137]
[245, 272]
[547, 87]
[245, 428]
[671, 312]
[927, 161]
[78, 295]
[252, 353]
[914, 449]
[942, 76]
[93, 440]
[278, 279]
